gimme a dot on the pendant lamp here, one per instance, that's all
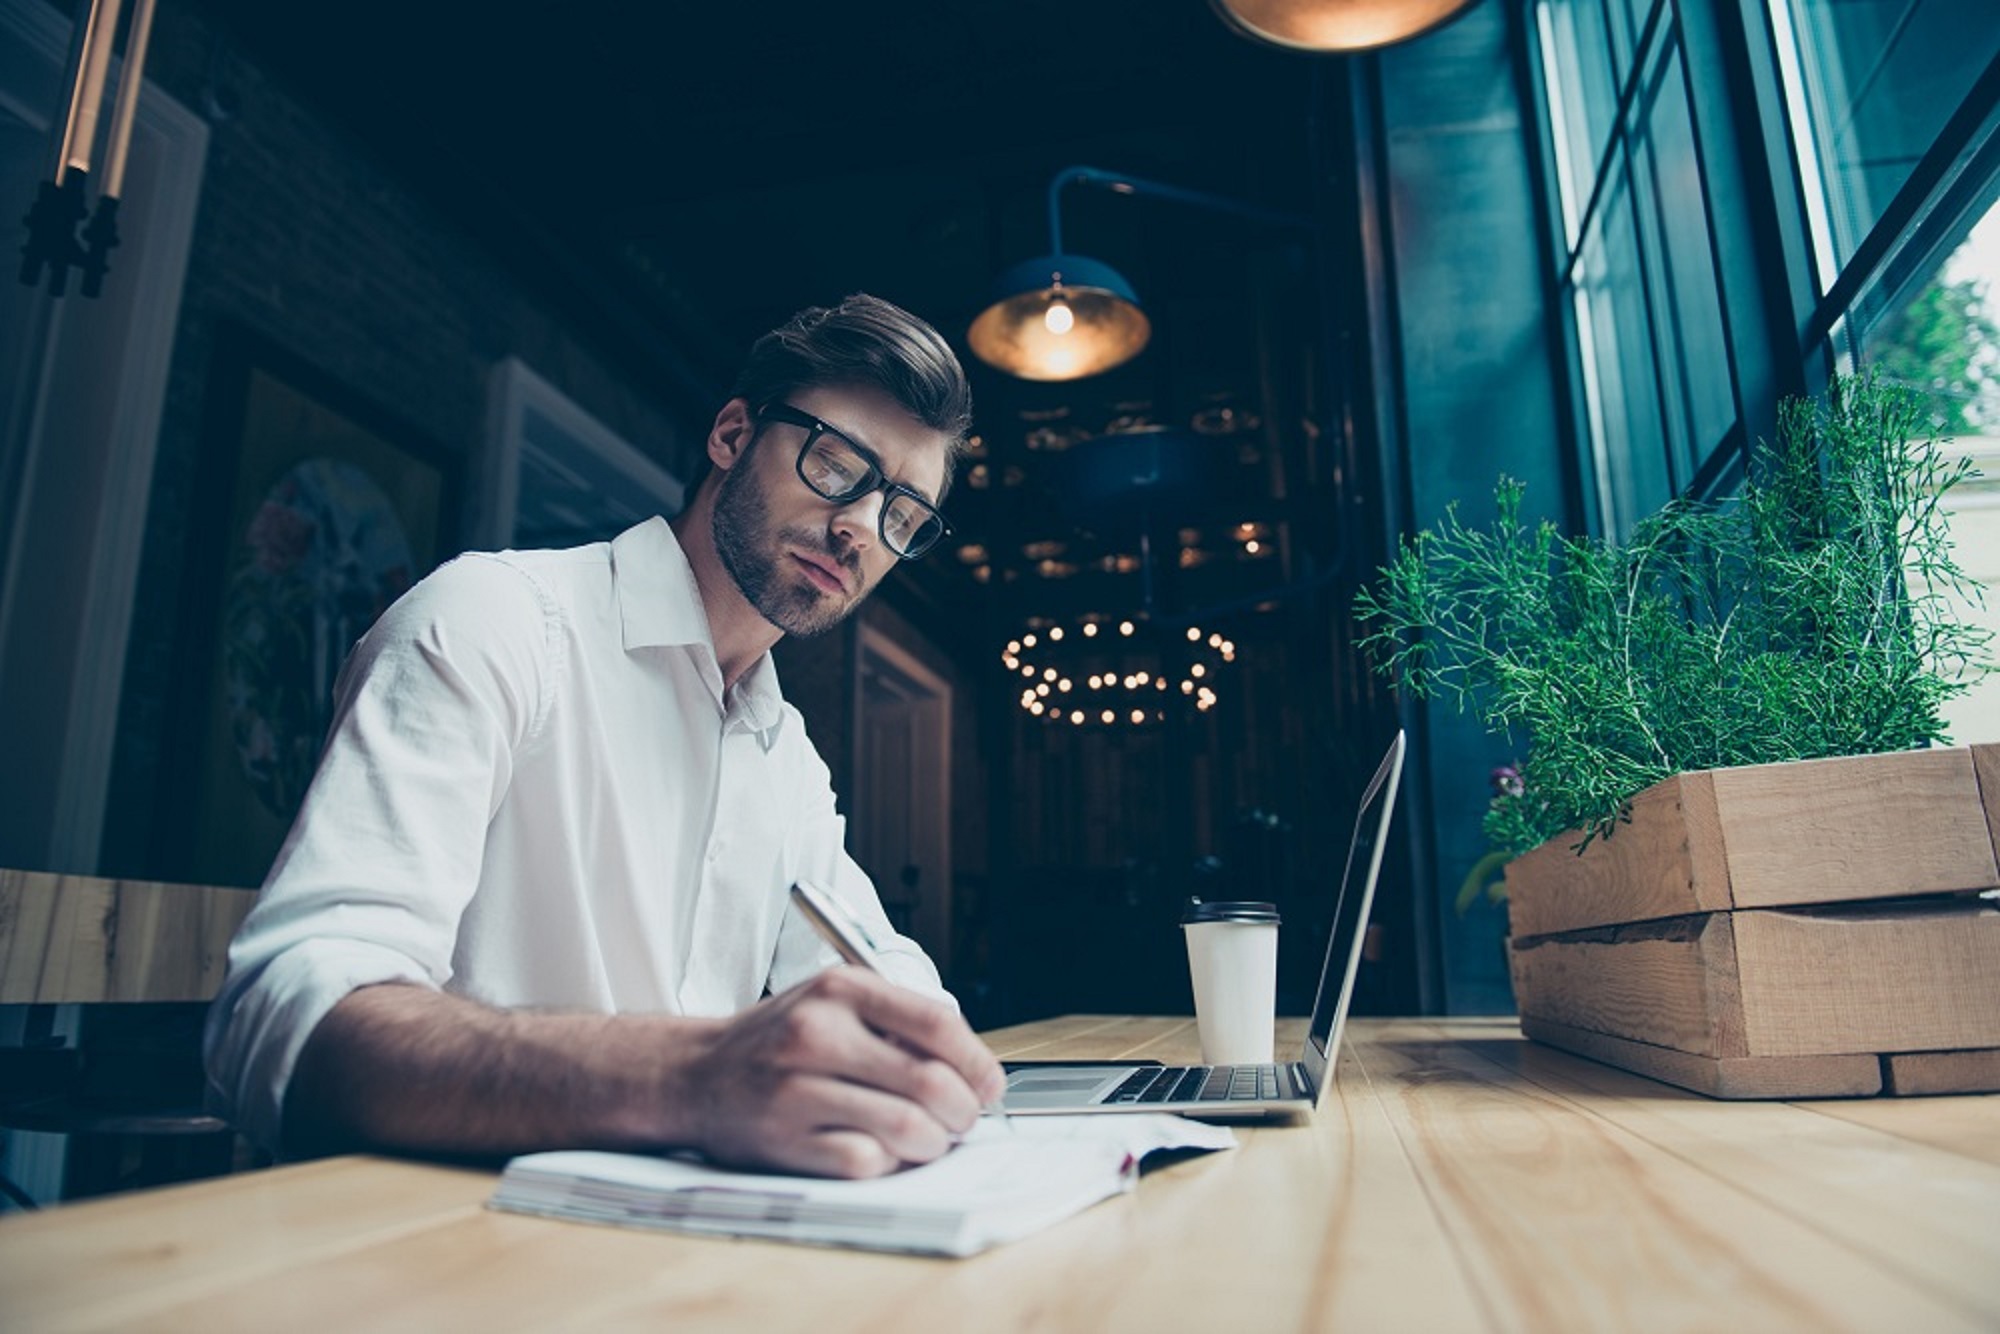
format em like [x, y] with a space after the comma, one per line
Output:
[1062, 316]
[1337, 25]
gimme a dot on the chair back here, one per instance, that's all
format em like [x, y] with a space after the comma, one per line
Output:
[80, 939]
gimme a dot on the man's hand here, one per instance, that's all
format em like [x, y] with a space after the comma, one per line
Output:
[844, 1075]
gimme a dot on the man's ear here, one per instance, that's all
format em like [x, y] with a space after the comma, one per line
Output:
[732, 433]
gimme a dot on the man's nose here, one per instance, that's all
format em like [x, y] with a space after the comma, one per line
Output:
[860, 520]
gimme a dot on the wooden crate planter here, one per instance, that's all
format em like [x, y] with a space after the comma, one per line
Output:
[1813, 929]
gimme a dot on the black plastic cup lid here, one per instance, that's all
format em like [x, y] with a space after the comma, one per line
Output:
[1237, 911]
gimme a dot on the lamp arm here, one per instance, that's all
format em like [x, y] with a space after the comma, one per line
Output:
[1121, 183]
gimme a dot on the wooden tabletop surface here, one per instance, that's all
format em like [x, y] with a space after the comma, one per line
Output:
[1455, 1178]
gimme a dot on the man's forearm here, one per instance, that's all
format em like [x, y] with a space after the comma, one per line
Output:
[845, 1074]
[403, 1067]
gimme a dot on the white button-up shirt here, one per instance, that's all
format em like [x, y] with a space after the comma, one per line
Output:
[536, 793]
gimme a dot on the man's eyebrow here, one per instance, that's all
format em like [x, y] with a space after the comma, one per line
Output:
[875, 460]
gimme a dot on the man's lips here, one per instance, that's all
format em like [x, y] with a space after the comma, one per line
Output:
[822, 572]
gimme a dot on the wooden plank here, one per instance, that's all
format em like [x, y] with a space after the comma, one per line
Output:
[1642, 871]
[26, 927]
[1020, 1040]
[82, 939]
[1986, 769]
[1651, 985]
[479, 1270]
[1773, 835]
[1927, 1072]
[1734, 1077]
[1899, 979]
[1708, 856]
[1722, 982]
[1857, 827]
[1099, 1037]
[1569, 1220]
[111, 1261]
[1937, 1224]
[1966, 1126]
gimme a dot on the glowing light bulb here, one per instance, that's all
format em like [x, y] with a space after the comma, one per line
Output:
[1058, 318]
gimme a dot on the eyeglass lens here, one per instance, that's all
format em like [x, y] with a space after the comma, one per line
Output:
[837, 471]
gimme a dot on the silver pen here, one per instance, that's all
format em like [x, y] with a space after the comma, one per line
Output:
[851, 939]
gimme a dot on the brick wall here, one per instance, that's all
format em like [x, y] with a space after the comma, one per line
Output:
[306, 240]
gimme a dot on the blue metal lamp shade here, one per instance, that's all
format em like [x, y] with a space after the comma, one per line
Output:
[1060, 317]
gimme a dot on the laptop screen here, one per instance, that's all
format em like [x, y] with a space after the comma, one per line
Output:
[1350, 912]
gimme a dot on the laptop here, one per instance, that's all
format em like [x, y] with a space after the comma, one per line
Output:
[1036, 1088]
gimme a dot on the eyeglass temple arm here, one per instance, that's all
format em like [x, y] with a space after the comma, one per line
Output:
[1119, 182]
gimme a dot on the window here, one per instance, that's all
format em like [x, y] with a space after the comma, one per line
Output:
[1872, 86]
[1944, 344]
[1892, 110]
[1636, 268]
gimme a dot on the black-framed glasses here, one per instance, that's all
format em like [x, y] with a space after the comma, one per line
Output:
[841, 471]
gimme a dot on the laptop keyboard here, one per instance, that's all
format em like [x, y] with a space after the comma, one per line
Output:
[1199, 1083]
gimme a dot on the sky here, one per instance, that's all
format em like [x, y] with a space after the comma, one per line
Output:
[1979, 256]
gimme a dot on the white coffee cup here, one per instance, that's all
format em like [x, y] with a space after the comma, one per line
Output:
[1233, 955]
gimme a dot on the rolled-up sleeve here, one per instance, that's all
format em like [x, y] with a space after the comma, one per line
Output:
[431, 709]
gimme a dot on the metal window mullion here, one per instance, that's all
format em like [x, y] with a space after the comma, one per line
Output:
[1699, 454]
[1679, 474]
[1566, 374]
[1907, 208]
[1628, 92]
[1664, 336]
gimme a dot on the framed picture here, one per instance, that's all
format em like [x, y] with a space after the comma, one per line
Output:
[555, 476]
[315, 510]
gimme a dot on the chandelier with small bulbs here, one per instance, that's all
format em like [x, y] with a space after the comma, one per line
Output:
[1103, 672]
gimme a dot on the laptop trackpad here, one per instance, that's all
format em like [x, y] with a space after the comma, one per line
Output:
[1063, 1086]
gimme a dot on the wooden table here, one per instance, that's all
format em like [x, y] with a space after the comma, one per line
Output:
[1456, 1177]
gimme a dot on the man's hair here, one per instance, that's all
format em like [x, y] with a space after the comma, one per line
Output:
[865, 341]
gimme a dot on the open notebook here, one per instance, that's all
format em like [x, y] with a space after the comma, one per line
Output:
[1005, 1181]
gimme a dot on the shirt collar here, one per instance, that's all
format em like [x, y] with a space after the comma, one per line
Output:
[659, 606]
[659, 602]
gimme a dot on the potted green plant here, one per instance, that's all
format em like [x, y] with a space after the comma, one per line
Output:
[1738, 861]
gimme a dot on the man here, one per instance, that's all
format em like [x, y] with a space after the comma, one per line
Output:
[540, 880]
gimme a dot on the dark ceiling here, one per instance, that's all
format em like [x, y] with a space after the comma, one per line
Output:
[689, 175]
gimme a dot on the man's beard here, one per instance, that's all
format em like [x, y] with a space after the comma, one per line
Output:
[752, 555]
